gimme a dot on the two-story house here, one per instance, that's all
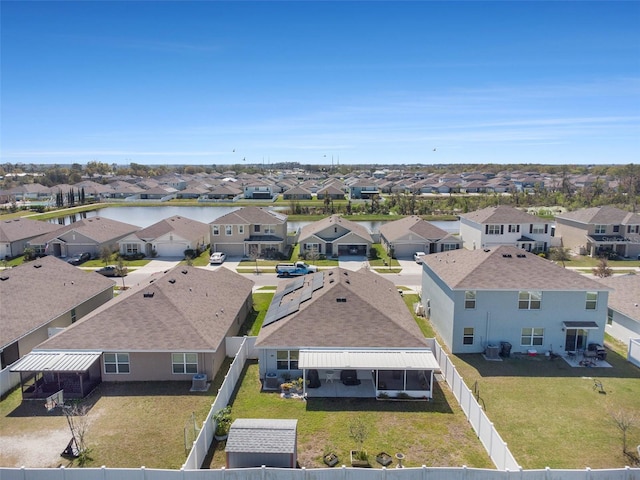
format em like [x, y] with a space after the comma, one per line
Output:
[504, 225]
[250, 231]
[598, 230]
[259, 190]
[480, 298]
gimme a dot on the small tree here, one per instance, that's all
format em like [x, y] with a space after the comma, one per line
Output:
[602, 269]
[560, 254]
[78, 424]
[121, 271]
[358, 431]
[624, 420]
[105, 255]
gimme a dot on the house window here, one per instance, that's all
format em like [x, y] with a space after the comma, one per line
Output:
[540, 246]
[449, 246]
[537, 228]
[74, 317]
[184, 362]
[514, 228]
[216, 230]
[130, 248]
[312, 246]
[228, 229]
[269, 230]
[609, 316]
[256, 228]
[592, 300]
[116, 363]
[529, 300]
[493, 229]
[39, 250]
[600, 229]
[241, 229]
[467, 336]
[616, 229]
[287, 359]
[470, 299]
[532, 336]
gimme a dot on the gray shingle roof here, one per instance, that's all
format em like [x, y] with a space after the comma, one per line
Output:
[34, 293]
[625, 297]
[317, 227]
[372, 314]
[250, 216]
[186, 308]
[606, 215]
[99, 229]
[501, 214]
[185, 227]
[257, 435]
[490, 269]
[23, 228]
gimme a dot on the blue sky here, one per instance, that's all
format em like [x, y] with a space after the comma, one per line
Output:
[360, 82]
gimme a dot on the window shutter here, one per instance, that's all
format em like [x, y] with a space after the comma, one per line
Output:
[486, 229]
[518, 228]
[546, 228]
[531, 228]
[501, 229]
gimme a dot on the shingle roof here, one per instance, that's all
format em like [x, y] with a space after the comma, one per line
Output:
[372, 314]
[257, 435]
[34, 293]
[317, 227]
[23, 228]
[99, 229]
[186, 308]
[185, 227]
[625, 297]
[415, 224]
[490, 269]
[501, 214]
[250, 216]
[602, 216]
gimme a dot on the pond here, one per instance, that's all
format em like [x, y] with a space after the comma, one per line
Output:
[145, 216]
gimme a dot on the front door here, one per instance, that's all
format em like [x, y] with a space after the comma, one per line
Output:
[575, 339]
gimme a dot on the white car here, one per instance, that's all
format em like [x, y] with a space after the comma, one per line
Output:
[417, 257]
[217, 257]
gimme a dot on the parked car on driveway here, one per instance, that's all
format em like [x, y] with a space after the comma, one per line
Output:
[79, 258]
[217, 257]
[112, 271]
[417, 257]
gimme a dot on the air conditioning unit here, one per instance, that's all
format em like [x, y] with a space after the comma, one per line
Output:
[199, 382]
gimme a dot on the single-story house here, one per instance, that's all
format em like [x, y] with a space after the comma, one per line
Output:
[623, 313]
[169, 329]
[16, 233]
[40, 297]
[254, 442]
[346, 333]
[86, 235]
[297, 193]
[413, 234]
[477, 299]
[335, 235]
[169, 237]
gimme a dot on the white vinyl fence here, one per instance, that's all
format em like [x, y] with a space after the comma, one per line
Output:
[8, 380]
[633, 354]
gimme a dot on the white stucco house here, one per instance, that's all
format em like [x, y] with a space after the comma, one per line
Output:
[480, 298]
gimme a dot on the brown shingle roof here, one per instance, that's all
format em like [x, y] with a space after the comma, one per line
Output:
[186, 308]
[316, 227]
[100, 229]
[625, 297]
[185, 227]
[489, 269]
[602, 216]
[250, 216]
[372, 315]
[415, 224]
[34, 293]
[501, 214]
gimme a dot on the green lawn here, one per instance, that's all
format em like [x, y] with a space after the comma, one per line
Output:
[434, 433]
[585, 261]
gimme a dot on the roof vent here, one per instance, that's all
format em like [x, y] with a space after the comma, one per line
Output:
[347, 282]
[148, 294]
[185, 271]
[331, 273]
[37, 265]
[521, 255]
[506, 255]
[331, 281]
[341, 300]
[172, 280]
[486, 250]
[3, 278]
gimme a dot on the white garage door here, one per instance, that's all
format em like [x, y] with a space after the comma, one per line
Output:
[171, 249]
[407, 250]
[229, 249]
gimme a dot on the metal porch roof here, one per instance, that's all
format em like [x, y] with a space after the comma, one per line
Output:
[369, 359]
[56, 362]
[582, 325]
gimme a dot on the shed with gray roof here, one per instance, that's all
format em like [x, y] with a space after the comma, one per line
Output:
[254, 442]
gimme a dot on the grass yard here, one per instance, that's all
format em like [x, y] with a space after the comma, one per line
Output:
[586, 261]
[432, 433]
[550, 414]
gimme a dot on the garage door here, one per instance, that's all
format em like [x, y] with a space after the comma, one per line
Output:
[407, 250]
[171, 249]
[230, 249]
